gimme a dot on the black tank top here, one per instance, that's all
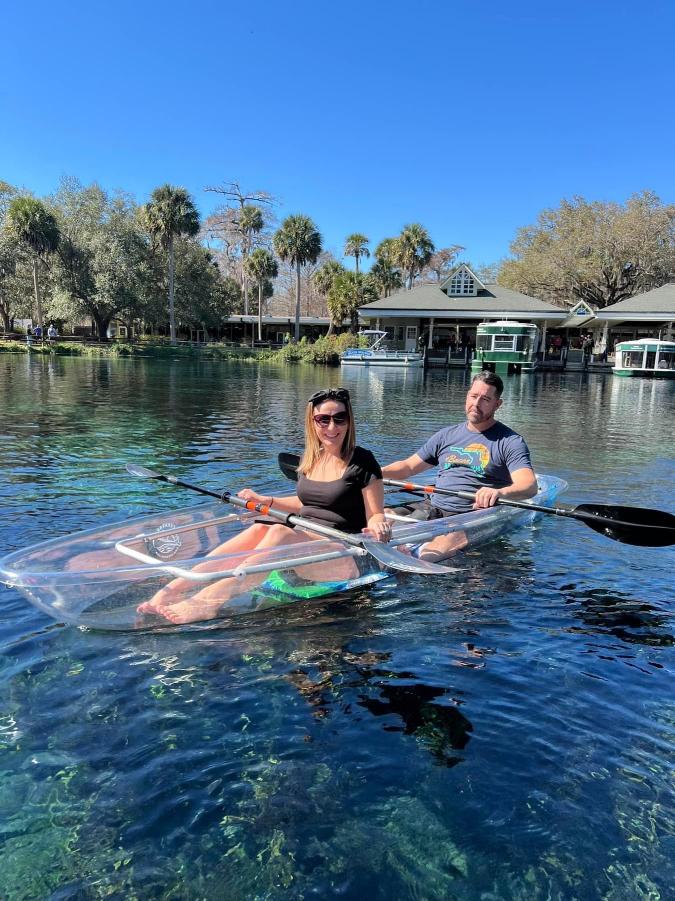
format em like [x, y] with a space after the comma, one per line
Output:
[339, 503]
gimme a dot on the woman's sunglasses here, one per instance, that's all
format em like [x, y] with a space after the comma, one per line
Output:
[323, 419]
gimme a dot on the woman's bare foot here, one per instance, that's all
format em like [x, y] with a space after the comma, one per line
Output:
[190, 611]
[164, 598]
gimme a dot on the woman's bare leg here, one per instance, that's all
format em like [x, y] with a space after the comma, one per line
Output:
[247, 540]
[206, 603]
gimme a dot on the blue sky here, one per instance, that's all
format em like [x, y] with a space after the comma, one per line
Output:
[467, 116]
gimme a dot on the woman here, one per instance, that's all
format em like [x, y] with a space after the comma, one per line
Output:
[339, 484]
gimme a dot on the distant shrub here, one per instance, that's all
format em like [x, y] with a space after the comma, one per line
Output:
[325, 350]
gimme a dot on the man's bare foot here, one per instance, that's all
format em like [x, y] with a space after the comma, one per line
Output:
[443, 546]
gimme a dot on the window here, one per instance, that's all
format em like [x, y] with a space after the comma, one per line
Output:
[632, 359]
[411, 332]
[484, 342]
[504, 342]
[462, 283]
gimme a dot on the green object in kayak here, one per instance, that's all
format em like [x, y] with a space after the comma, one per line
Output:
[300, 589]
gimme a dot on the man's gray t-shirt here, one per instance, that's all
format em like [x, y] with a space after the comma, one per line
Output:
[470, 460]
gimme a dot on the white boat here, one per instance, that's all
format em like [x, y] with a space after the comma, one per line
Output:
[98, 578]
[376, 354]
[647, 357]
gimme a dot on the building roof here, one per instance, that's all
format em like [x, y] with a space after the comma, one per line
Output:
[658, 300]
[491, 301]
[581, 314]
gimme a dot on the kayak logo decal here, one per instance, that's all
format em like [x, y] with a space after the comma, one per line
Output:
[165, 546]
[476, 457]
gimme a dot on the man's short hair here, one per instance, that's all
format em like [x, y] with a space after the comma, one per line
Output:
[490, 378]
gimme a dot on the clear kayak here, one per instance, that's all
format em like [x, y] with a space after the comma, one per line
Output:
[100, 577]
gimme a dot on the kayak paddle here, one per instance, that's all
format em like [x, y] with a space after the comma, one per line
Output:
[629, 525]
[387, 556]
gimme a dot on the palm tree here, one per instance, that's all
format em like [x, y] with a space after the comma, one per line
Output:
[356, 246]
[298, 242]
[37, 229]
[413, 250]
[261, 266]
[250, 223]
[323, 280]
[384, 271]
[349, 291]
[169, 214]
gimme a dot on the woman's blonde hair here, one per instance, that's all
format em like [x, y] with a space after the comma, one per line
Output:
[313, 447]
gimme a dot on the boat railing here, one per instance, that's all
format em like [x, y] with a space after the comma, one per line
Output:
[237, 572]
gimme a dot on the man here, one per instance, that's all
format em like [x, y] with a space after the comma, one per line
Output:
[481, 455]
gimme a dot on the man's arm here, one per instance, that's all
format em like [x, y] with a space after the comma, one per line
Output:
[523, 485]
[403, 469]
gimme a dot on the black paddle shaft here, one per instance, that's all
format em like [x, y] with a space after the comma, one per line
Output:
[388, 556]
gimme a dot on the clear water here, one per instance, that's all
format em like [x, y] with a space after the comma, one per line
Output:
[505, 734]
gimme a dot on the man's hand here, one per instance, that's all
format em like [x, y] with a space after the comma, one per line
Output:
[486, 497]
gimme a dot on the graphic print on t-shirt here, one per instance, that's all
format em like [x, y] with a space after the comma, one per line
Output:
[475, 456]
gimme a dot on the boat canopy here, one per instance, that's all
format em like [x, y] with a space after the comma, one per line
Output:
[374, 336]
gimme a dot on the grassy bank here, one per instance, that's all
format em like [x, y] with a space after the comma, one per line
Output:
[325, 350]
[157, 350]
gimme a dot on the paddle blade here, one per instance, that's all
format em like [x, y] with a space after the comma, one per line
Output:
[630, 525]
[141, 472]
[394, 559]
[288, 464]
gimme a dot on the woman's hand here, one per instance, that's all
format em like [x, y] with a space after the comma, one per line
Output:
[378, 528]
[248, 494]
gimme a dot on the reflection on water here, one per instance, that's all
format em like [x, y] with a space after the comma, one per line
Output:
[507, 733]
[631, 620]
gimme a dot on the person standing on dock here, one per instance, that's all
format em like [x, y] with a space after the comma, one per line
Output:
[481, 455]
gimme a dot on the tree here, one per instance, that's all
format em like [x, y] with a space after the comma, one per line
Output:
[242, 223]
[356, 246]
[36, 228]
[387, 276]
[104, 268]
[413, 250]
[349, 291]
[441, 263]
[250, 223]
[594, 251]
[15, 279]
[169, 214]
[260, 267]
[205, 299]
[299, 242]
[323, 280]
[10, 255]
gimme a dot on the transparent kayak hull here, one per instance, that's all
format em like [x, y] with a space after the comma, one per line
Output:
[99, 577]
